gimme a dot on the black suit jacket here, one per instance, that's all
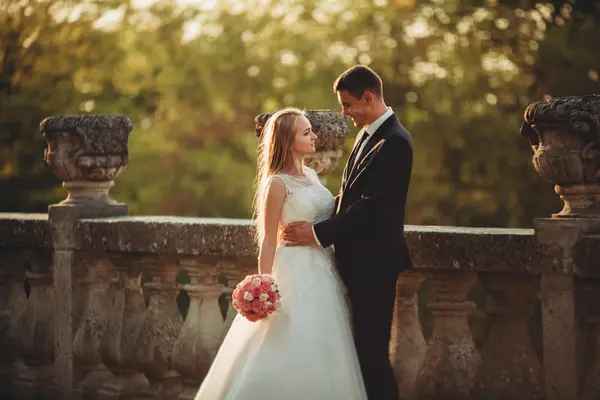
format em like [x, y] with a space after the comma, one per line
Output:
[367, 228]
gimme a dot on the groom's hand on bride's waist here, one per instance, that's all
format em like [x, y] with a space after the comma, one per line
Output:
[299, 234]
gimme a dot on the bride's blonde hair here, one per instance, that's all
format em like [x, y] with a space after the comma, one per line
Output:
[275, 154]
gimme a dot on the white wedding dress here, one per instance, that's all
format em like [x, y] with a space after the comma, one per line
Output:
[305, 350]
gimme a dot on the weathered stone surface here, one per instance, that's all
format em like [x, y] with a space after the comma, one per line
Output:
[510, 368]
[407, 345]
[86, 147]
[93, 293]
[451, 359]
[444, 248]
[127, 312]
[202, 330]
[160, 330]
[36, 328]
[87, 153]
[31, 231]
[564, 133]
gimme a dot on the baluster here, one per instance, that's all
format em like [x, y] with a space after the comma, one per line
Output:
[451, 359]
[92, 290]
[119, 343]
[18, 303]
[159, 331]
[407, 345]
[37, 329]
[509, 367]
[234, 274]
[11, 275]
[201, 334]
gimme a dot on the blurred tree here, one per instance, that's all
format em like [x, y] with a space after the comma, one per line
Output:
[458, 73]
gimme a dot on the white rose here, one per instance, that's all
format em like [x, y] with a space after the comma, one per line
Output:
[274, 287]
[248, 296]
[263, 297]
[256, 282]
[248, 278]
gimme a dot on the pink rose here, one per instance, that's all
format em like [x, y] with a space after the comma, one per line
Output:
[236, 304]
[238, 295]
[247, 286]
[268, 279]
[252, 317]
[270, 307]
[272, 297]
[266, 287]
[256, 291]
[257, 306]
[247, 306]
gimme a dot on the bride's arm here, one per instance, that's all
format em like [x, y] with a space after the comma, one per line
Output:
[271, 216]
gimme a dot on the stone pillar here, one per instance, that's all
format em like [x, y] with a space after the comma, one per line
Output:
[509, 368]
[127, 311]
[564, 136]
[331, 129]
[36, 329]
[94, 292]
[159, 331]
[407, 345]
[87, 153]
[202, 331]
[451, 359]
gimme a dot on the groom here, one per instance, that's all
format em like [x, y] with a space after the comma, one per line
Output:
[367, 228]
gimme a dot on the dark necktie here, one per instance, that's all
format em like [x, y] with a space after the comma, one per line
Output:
[363, 138]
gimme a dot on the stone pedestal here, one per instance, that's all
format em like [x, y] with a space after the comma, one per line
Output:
[564, 134]
[569, 252]
[87, 153]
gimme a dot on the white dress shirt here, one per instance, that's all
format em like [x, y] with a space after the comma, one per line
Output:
[370, 130]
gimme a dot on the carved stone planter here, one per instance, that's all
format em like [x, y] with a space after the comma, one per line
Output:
[565, 137]
[331, 129]
[87, 153]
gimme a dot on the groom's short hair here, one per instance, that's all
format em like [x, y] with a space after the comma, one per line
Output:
[357, 80]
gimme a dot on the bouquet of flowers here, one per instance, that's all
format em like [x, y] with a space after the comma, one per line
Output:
[256, 296]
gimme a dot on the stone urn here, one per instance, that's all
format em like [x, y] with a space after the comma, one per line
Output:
[87, 153]
[331, 129]
[564, 134]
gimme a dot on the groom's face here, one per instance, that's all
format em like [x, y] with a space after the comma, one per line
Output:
[356, 109]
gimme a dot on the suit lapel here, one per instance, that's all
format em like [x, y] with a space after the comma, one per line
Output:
[371, 142]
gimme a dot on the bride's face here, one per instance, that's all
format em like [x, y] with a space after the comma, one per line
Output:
[304, 138]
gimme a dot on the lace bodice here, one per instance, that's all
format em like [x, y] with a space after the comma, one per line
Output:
[306, 198]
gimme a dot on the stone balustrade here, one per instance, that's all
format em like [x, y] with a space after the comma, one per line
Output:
[95, 303]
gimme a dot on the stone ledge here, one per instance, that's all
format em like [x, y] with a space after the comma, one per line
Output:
[431, 247]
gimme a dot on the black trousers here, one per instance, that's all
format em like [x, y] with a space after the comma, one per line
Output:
[372, 311]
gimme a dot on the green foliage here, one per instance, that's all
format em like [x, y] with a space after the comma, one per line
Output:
[458, 73]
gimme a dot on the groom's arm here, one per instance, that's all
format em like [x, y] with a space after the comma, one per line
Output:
[335, 202]
[390, 182]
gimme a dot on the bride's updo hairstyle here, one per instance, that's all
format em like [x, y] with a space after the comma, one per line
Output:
[274, 155]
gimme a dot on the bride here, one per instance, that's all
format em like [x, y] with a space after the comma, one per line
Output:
[305, 350]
